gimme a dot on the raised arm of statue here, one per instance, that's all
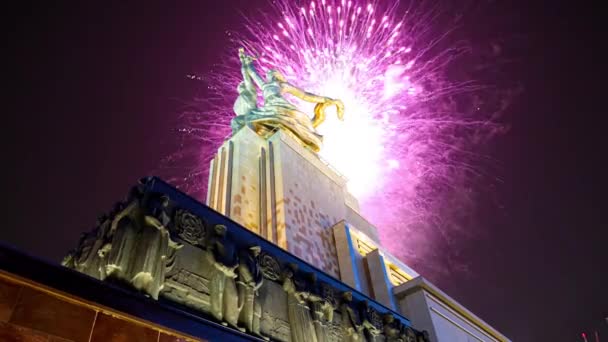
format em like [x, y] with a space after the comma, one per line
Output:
[302, 94]
[322, 103]
[247, 68]
[247, 79]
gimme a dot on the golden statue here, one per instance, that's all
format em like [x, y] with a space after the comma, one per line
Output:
[277, 112]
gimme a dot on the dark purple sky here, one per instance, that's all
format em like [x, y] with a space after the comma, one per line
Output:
[91, 106]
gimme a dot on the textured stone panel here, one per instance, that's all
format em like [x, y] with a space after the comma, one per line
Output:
[42, 312]
[8, 299]
[10, 332]
[108, 328]
[274, 322]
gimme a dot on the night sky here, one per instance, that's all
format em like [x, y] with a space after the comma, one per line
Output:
[93, 92]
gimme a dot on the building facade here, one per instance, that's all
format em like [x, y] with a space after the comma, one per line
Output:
[284, 192]
[280, 253]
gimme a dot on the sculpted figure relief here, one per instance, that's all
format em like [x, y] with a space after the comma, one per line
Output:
[353, 330]
[322, 310]
[300, 319]
[224, 297]
[369, 322]
[250, 280]
[392, 329]
[407, 334]
[141, 250]
[277, 112]
[134, 246]
[89, 256]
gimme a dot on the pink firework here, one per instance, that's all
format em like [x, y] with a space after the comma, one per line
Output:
[406, 144]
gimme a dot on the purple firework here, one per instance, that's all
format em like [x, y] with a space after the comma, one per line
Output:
[406, 144]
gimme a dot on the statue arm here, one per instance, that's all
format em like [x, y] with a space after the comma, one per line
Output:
[304, 95]
[248, 70]
[314, 298]
[322, 102]
[247, 78]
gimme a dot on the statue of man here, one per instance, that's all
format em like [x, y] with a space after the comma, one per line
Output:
[277, 112]
[250, 281]
[246, 102]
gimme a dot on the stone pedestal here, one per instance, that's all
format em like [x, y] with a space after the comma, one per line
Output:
[283, 192]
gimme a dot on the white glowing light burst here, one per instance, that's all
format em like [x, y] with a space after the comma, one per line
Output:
[355, 52]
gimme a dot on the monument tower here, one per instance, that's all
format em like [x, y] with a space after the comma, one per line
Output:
[269, 178]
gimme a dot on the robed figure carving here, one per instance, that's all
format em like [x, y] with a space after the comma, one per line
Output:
[353, 329]
[323, 306]
[224, 299]
[141, 251]
[392, 329]
[298, 311]
[370, 321]
[277, 112]
[249, 281]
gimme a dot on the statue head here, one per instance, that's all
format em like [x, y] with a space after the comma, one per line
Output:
[288, 273]
[388, 318]
[165, 201]
[220, 229]
[347, 296]
[255, 250]
[275, 75]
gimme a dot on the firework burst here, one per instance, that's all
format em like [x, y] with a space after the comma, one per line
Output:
[406, 144]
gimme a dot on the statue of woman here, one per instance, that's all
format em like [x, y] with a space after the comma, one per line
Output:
[277, 112]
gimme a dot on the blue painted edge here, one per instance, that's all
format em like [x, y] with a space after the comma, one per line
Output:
[353, 257]
[388, 283]
[163, 313]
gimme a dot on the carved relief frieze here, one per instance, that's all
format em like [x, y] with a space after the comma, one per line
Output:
[152, 245]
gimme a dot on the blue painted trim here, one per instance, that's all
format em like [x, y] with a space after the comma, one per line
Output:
[353, 257]
[388, 283]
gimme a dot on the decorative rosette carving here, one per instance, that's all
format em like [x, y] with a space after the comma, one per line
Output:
[189, 227]
[269, 266]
